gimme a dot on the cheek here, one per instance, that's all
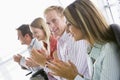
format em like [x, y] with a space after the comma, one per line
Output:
[71, 30]
[35, 35]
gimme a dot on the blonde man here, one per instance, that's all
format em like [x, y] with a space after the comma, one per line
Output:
[67, 48]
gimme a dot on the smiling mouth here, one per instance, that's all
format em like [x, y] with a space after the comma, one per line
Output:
[55, 31]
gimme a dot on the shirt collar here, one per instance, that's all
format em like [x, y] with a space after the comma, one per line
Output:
[32, 43]
[64, 37]
[95, 52]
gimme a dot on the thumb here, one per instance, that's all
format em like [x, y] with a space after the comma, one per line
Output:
[73, 66]
[56, 59]
[19, 55]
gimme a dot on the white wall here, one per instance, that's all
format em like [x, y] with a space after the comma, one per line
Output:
[14, 13]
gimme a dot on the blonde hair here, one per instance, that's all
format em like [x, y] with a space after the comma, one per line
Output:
[41, 24]
[58, 9]
[84, 15]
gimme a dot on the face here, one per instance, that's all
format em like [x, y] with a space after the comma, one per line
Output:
[21, 38]
[55, 22]
[76, 33]
[38, 33]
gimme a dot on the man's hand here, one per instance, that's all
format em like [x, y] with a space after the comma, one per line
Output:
[17, 58]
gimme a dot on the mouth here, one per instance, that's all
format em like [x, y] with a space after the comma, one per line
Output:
[37, 38]
[55, 31]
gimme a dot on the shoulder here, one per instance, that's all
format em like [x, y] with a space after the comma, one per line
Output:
[111, 51]
[110, 46]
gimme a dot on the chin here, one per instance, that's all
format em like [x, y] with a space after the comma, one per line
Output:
[76, 39]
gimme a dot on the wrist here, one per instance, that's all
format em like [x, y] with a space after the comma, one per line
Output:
[73, 76]
[77, 75]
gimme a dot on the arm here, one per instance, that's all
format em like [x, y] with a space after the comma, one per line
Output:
[110, 68]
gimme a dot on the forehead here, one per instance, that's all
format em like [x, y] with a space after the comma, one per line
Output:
[51, 15]
[34, 29]
[19, 32]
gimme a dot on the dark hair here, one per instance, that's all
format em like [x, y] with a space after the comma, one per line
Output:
[24, 28]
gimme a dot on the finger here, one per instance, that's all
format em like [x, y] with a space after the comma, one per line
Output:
[33, 50]
[52, 67]
[43, 52]
[53, 73]
[33, 53]
[72, 65]
[56, 59]
[19, 55]
[56, 63]
[14, 56]
[29, 58]
[59, 63]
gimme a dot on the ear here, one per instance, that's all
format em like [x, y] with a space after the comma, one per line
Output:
[26, 35]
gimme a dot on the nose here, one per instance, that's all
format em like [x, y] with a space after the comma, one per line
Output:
[52, 26]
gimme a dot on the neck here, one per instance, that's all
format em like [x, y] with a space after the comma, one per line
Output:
[28, 42]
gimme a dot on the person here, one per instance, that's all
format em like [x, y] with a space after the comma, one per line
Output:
[41, 31]
[67, 48]
[26, 38]
[86, 22]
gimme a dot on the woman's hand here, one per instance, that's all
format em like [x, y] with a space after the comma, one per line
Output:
[31, 63]
[39, 56]
[63, 69]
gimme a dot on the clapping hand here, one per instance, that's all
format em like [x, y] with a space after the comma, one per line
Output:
[39, 56]
[63, 69]
[17, 58]
[31, 63]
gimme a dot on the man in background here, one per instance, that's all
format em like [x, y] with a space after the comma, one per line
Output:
[25, 36]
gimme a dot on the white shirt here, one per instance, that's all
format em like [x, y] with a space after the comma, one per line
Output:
[75, 51]
[34, 44]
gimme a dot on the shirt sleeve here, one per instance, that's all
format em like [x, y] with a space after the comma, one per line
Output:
[78, 77]
[22, 62]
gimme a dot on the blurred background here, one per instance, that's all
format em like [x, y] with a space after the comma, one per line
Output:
[16, 12]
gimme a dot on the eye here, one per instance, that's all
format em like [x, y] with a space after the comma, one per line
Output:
[34, 32]
[48, 23]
